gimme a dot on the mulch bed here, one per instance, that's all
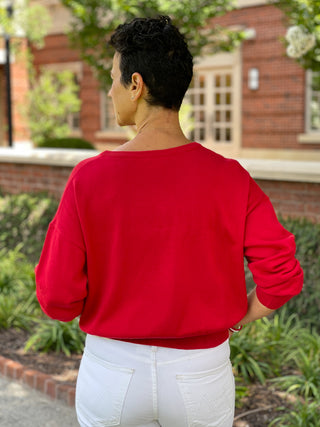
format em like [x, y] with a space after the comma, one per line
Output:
[61, 367]
[258, 409]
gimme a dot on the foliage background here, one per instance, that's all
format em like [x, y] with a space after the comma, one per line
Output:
[305, 13]
[94, 21]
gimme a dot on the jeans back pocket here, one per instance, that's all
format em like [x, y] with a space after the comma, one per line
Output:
[101, 391]
[209, 396]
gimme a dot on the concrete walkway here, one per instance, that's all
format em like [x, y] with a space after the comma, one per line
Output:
[22, 406]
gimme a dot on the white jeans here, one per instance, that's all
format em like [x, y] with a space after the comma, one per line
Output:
[125, 384]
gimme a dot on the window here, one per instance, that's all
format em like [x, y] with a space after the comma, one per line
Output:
[108, 120]
[313, 102]
[73, 119]
[215, 99]
[109, 127]
[222, 106]
[211, 95]
[196, 96]
[312, 109]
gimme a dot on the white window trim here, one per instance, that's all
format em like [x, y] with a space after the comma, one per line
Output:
[46, 2]
[250, 3]
[310, 136]
[223, 60]
[75, 67]
[116, 132]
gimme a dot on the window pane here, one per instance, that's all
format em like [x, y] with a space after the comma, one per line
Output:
[315, 81]
[108, 117]
[212, 106]
[202, 116]
[314, 105]
[73, 119]
[315, 114]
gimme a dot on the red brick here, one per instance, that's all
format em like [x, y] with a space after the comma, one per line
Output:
[71, 396]
[3, 362]
[14, 369]
[50, 388]
[41, 380]
[62, 391]
[29, 377]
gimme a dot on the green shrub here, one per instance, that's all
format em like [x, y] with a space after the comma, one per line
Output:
[19, 308]
[305, 414]
[18, 302]
[52, 335]
[66, 143]
[278, 334]
[24, 220]
[307, 303]
[305, 381]
[245, 353]
[242, 392]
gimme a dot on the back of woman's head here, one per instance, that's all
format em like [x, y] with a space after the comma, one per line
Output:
[155, 48]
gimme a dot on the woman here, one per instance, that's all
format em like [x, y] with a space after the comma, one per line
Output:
[147, 248]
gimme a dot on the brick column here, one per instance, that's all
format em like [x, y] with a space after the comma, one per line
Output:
[20, 87]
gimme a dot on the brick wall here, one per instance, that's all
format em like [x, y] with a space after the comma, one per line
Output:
[290, 198]
[20, 87]
[272, 116]
[19, 177]
[295, 199]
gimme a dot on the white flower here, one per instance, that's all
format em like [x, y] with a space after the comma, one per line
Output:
[300, 41]
[294, 34]
[292, 52]
[310, 41]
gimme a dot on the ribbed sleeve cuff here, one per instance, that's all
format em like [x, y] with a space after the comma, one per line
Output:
[272, 301]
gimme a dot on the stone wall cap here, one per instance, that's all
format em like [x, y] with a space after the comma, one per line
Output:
[45, 156]
[268, 169]
[283, 170]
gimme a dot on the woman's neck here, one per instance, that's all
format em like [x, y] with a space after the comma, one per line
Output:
[159, 129]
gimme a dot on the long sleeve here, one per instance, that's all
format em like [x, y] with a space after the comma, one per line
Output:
[61, 277]
[270, 251]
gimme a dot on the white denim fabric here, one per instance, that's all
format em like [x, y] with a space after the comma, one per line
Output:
[125, 384]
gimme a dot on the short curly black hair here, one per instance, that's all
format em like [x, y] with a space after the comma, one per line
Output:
[154, 48]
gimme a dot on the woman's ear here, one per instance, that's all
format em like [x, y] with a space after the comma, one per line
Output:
[136, 87]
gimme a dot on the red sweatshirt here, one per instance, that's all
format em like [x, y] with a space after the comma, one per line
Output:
[149, 246]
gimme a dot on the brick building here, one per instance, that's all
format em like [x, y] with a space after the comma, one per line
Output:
[252, 103]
